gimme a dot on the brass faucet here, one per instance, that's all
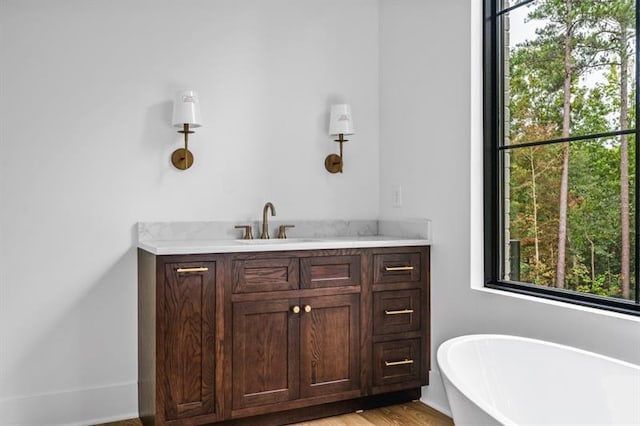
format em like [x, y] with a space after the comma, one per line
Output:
[265, 225]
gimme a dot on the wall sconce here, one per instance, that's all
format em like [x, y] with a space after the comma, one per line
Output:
[186, 114]
[340, 124]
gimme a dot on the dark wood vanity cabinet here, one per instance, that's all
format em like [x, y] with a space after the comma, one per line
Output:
[279, 337]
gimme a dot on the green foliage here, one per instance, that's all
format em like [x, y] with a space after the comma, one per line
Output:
[602, 36]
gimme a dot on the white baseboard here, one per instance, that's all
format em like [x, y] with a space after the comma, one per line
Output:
[434, 395]
[120, 402]
[72, 408]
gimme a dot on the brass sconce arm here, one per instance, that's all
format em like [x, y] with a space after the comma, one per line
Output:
[333, 163]
[182, 158]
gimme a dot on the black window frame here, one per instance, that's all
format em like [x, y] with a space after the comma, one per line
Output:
[493, 91]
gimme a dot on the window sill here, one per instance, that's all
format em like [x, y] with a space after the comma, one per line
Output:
[560, 304]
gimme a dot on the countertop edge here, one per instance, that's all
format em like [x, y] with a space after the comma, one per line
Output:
[237, 246]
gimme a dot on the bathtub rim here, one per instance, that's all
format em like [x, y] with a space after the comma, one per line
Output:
[454, 380]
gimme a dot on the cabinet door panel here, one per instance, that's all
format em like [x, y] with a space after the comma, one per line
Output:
[330, 341]
[188, 334]
[265, 353]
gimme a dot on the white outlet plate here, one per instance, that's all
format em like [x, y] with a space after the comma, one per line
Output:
[396, 195]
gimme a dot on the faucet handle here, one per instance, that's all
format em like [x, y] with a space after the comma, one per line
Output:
[248, 234]
[282, 230]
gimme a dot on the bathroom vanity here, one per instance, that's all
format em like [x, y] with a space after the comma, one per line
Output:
[274, 333]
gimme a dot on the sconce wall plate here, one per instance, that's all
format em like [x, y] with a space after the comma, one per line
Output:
[333, 163]
[182, 158]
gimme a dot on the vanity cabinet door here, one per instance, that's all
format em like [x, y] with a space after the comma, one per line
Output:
[265, 352]
[329, 346]
[186, 346]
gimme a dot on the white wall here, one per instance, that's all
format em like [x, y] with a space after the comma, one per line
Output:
[430, 143]
[86, 97]
[85, 140]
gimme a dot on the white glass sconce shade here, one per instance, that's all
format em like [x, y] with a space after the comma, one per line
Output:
[186, 109]
[340, 120]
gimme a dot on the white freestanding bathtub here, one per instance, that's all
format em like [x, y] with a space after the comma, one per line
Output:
[508, 380]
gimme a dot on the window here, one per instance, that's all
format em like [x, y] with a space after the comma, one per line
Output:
[560, 135]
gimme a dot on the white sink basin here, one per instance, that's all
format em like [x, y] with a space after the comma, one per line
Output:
[279, 241]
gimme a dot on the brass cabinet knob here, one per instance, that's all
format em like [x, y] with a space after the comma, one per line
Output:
[307, 308]
[295, 309]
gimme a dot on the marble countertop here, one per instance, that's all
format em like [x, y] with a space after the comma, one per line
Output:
[222, 236]
[194, 246]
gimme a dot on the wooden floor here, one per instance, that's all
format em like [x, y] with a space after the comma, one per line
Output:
[132, 422]
[409, 414]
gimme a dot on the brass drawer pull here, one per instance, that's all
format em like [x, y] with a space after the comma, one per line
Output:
[394, 363]
[398, 268]
[295, 309]
[188, 270]
[404, 311]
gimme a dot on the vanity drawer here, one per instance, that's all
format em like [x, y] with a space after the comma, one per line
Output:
[397, 267]
[330, 271]
[250, 275]
[396, 311]
[396, 362]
